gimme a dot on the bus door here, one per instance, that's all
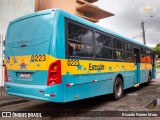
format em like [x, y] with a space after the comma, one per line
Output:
[153, 65]
[137, 64]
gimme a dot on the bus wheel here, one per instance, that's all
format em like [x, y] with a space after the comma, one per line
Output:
[149, 79]
[118, 88]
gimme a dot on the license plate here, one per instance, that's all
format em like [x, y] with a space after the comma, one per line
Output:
[25, 75]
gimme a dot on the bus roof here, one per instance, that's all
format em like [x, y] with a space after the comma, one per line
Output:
[32, 14]
[83, 21]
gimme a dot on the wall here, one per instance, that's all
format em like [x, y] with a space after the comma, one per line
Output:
[67, 5]
[9, 10]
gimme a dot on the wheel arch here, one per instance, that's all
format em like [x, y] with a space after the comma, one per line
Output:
[120, 76]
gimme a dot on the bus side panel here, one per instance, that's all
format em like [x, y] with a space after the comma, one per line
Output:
[145, 68]
[86, 90]
[129, 79]
[82, 86]
[143, 76]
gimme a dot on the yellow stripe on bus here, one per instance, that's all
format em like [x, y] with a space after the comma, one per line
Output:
[42, 62]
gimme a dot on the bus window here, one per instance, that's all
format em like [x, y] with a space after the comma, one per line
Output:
[86, 36]
[86, 51]
[103, 52]
[73, 48]
[103, 40]
[118, 55]
[80, 50]
[118, 44]
[129, 47]
[126, 46]
[80, 41]
[128, 56]
[148, 56]
[74, 32]
[70, 49]
[143, 55]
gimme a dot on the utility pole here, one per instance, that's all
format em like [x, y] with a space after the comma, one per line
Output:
[143, 33]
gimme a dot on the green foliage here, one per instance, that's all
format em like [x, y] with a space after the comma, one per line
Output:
[157, 50]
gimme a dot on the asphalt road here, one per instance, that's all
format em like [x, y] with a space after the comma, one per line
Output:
[134, 99]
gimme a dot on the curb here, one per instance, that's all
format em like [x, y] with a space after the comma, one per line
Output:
[12, 102]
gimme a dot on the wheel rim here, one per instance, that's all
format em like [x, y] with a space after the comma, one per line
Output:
[118, 89]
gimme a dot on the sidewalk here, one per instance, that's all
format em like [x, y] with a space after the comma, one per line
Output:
[6, 99]
[158, 71]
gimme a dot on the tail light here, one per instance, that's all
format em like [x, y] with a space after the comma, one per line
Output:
[5, 73]
[54, 73]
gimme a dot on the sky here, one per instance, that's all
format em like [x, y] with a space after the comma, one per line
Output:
[128, 17]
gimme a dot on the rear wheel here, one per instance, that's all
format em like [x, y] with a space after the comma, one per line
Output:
[118, 88]
[149, 79]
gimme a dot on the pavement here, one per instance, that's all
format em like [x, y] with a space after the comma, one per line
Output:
[6, 100]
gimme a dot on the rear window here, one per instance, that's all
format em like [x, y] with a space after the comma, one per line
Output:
[32, 27]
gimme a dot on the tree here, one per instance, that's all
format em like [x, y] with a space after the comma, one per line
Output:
[157, 49]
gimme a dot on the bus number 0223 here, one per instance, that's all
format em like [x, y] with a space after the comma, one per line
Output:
[73, 62]
[38, 58]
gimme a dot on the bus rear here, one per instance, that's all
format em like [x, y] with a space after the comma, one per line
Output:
[29, 69]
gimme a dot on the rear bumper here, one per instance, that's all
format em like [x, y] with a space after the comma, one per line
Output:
[40, 92]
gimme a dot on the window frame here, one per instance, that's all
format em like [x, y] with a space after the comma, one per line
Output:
[105, 34]
[68, 40]
[94, 31]
[120, 40]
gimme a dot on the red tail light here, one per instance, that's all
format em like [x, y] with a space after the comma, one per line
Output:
[5, 73]
[54, 73]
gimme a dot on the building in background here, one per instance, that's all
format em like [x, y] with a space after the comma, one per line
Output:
[82, 8]
[10, 10]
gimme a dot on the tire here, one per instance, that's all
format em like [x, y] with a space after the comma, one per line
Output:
[149, 80]
[118, 89]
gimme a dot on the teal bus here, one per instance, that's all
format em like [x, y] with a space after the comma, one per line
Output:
[56, 56]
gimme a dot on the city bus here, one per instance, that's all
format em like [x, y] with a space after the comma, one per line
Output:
[56, 56]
